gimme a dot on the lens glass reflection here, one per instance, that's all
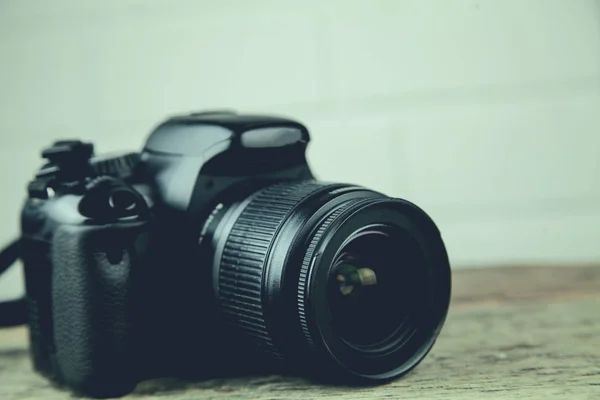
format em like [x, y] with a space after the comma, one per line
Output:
[369, 286]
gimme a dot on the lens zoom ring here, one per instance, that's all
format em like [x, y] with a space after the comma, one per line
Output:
[305, 270]
[245, 254]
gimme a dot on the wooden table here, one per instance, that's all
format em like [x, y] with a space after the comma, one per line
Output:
[518, 333]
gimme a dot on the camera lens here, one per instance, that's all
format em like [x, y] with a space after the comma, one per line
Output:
[339, 281]
[371, 285]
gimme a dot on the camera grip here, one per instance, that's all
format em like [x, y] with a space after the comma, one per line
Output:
[93, 295]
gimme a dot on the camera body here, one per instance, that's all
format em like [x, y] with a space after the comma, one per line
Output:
[113, 246]
[214, 251]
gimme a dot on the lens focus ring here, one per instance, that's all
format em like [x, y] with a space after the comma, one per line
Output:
[245, 255]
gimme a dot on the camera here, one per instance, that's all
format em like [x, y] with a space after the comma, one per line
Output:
[213, 251]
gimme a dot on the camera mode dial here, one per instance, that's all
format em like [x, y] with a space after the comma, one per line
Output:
[66, 168]
[68, 152]
[119, 166]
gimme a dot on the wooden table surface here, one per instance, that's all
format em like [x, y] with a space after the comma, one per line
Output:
[517, 333]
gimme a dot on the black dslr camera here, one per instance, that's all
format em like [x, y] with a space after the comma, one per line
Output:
[215, 251]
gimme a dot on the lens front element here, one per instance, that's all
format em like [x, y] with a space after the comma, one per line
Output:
[371, 285]
[377, 287]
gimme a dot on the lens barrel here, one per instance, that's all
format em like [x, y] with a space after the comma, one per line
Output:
[340, 281]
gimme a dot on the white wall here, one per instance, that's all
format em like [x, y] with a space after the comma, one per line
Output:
[486, 113]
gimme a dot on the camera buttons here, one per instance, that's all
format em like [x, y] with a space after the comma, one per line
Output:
[40, 189]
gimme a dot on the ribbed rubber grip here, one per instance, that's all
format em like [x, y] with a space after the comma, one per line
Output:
[245, 254]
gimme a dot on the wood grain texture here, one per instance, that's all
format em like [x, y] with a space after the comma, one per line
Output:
[527, 283]
[519, 333]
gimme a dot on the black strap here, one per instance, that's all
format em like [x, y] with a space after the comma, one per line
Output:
[13, 312]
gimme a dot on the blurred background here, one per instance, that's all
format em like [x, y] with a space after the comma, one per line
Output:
[484, 113]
